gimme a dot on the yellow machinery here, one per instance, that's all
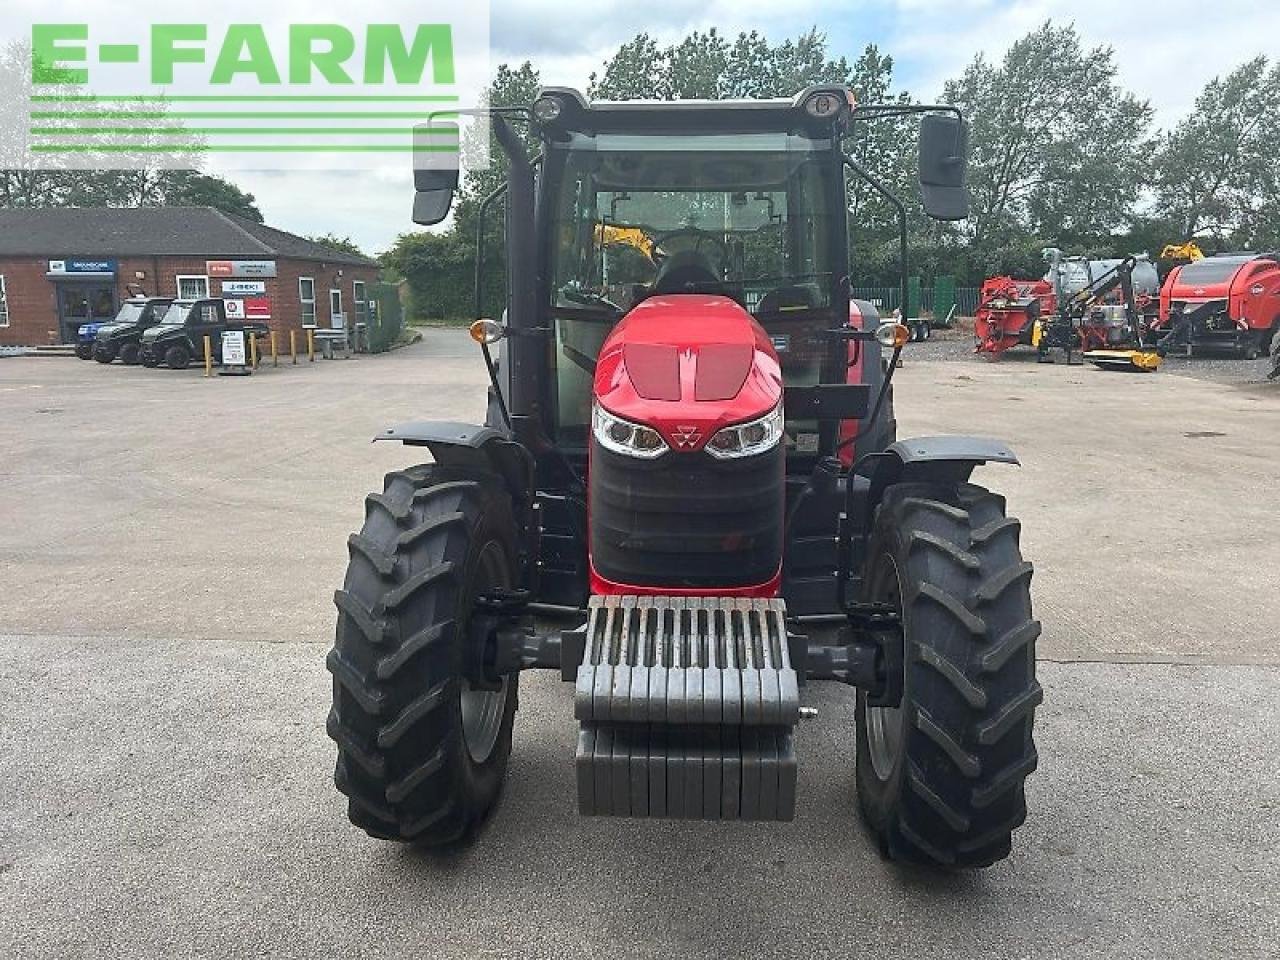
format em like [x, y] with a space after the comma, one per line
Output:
[608, 234]
[1182, 251]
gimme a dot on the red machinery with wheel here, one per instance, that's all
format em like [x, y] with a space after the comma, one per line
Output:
[1008, 311]
[1229, 301]
[1016, 312]
[691, 454]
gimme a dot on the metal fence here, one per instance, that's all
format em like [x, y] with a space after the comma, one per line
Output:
[886, 299]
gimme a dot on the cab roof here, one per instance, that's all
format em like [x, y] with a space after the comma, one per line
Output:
[581, 114]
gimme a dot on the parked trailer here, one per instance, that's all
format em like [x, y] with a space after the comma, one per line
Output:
[1228, 301]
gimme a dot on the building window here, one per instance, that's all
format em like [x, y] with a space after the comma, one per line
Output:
[362, 304]
[307, 294]
[193, 288]
[4, 305]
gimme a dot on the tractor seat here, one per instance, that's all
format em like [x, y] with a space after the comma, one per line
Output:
[687, 271]
[784, 299]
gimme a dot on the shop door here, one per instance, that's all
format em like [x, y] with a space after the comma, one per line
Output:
[84, 303]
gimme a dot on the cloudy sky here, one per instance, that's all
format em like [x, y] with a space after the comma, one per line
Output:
[1166, 52]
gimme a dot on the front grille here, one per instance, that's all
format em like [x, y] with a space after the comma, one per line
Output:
[686, 519]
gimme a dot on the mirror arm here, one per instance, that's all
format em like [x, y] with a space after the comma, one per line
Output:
[904, 289]
[867, 178]
[481, 214]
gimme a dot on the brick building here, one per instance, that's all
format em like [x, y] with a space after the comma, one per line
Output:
[61, 267]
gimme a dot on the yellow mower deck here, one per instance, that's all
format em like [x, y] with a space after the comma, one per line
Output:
[1129, 361]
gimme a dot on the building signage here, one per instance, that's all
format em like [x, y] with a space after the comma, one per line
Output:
[243, 288]
[240, 268]
[257, 308]
[247, 308]
[233, 353]
[82, 266]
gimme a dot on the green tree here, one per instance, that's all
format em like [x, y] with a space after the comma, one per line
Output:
[635, 72]
[1218, 170]
[340, 244]
[706, 66]
[1057, 146]
[190, 188]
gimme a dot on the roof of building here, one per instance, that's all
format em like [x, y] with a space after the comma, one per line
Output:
[152, 231]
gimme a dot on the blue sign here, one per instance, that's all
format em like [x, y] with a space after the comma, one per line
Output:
[82, 266]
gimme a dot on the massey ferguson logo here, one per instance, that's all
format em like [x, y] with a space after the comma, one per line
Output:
[686, 438]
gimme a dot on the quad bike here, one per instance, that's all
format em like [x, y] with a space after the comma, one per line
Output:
[691, 450]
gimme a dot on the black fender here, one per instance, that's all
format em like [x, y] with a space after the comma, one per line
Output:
[470, 446]
[922, 460]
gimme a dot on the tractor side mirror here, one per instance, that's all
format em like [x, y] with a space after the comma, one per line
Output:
[944, 161]
[435, 175]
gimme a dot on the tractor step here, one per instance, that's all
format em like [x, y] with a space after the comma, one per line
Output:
[686, 706]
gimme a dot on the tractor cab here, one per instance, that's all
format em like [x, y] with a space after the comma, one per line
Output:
[691, 220]
[690, 454]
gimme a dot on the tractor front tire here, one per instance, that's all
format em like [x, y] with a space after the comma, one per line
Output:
[940, 778]
[84, 350]
[421, 750]
[104, 354]
[129, 354]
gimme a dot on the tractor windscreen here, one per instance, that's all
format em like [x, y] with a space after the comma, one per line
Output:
[747, 216]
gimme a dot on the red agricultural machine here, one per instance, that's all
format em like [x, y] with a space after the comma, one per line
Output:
[1008, 311]
[1079, 306]
[1229, 301]
[691, 452]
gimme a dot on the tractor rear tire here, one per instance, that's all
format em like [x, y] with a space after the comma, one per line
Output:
[940, 778]
[177, 357]
[129, 354]
[84, 350]
[421, 751]
[104, 354]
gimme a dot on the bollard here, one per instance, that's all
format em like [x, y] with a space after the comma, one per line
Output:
[311, 346]
[293, 346]
[253, 351]
[275, 357]
[208, 355]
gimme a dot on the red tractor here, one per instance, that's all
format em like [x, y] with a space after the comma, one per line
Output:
[691, 451]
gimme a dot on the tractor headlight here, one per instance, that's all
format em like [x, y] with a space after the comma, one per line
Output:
[748, 439]
[624, 437]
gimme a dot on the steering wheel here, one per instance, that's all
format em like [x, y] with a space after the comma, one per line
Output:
[700, 237]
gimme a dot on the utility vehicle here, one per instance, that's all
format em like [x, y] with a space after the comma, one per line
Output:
[180, 334]
[121, 339]
[691, 450]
